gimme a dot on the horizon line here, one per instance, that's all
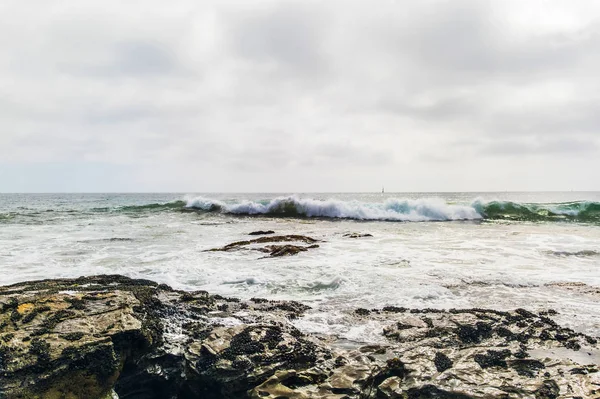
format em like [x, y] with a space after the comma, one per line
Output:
[299, 192]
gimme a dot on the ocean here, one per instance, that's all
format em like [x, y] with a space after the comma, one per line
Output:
[503, 251]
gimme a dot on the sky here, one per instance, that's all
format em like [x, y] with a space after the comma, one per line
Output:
[299, 96]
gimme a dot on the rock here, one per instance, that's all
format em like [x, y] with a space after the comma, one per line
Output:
[357, 235]
[484, 354]
[273, 250]
[287, 250]
[71, 340]
[261, 232]
[98, 337]
[442, 362]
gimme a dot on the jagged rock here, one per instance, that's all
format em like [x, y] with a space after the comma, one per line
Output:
[85, 337]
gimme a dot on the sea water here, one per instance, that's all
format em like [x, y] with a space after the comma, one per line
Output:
[426, 250]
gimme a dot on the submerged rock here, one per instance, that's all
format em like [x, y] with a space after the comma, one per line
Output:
[97, 337]
[357, 235]
[261, 233]
[578, 287]
[273, 250]
[286, 250]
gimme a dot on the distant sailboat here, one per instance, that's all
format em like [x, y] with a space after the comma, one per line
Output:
[382, 190]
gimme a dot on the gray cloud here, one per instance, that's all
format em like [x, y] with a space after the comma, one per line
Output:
[541, 147]
[129, 59]
[206, 96]
[289, 35]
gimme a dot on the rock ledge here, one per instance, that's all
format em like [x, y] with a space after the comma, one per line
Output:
[104, 337]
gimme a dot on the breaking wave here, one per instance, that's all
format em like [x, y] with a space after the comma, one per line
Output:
[404, 209]
[393, 209]
[580, 211]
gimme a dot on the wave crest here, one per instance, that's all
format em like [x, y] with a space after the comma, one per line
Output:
[391, 210]
[405, 210]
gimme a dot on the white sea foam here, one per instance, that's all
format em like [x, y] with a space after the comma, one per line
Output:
[414, 265]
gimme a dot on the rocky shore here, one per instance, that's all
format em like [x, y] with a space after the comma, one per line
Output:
[116, 337]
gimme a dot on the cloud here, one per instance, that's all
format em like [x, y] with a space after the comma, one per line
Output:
[541, 147]
[209, 96]
[287, 36]
[129, 59]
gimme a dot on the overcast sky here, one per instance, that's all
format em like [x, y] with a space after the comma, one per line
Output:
[299, 96]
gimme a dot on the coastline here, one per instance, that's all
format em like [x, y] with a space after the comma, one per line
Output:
[94, 337]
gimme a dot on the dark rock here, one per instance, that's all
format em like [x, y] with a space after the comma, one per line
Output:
[548, 390]
[492, 359]
[574, 345]
[357, 235]
[264, 240]
[394, 309]
[274, 250]
[442, 362]
[521, 354]
[11, 304]
[74, 336]
[430, 391]
[285, 250]
[525, 313]
[527, 367]
[468, 334]
[261, 232]
[362, 312]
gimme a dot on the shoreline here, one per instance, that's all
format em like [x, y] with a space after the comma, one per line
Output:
[93, 337]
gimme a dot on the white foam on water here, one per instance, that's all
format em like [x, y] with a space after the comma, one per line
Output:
[429, 264]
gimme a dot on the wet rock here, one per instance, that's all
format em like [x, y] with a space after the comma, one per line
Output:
[362, 311]
[526, 367]
[261, 233]
[274, 250]
[263, 240]
[286, 250]
[357, 235]
[88, 337]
